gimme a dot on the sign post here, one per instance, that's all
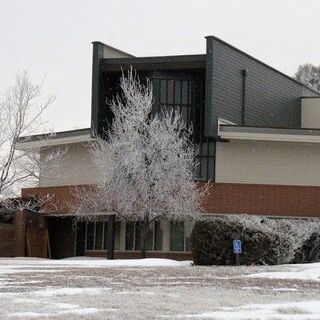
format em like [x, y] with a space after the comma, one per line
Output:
[237, 249]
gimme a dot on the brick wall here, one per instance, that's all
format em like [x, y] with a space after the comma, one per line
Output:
[273, 200]
[7, 240]
[60, 197]
[136, 254]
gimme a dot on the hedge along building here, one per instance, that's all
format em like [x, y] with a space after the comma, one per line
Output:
[257, 132]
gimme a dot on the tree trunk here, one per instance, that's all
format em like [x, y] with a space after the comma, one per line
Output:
[110, 239]
[143, 235]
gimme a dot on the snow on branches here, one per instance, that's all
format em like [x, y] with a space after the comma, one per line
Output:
[145, 163]
[20, 115]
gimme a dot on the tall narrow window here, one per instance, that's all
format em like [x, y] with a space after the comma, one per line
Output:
[177, 87]
[149, 240]
[170, 92]
[176, 236]
[177, 95]
[106, 235]
[130, 236]
[185, 93]
[163, 92]
[158, 236]
[90, 235]
[117, 230]
[188, 230]
[99, 235]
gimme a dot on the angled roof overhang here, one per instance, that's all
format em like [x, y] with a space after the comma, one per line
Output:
[197, 61]
[35, 142]
[234, 132]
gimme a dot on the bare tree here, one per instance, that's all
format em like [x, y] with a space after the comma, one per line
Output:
[309, 75]
[20, 115]
[145, 164]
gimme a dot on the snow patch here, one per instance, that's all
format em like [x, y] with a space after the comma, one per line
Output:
[308, 272]
[68, 291]
[137, 292]
[30, 265]
[305, 310]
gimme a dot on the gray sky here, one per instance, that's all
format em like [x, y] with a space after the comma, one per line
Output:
[53, 38]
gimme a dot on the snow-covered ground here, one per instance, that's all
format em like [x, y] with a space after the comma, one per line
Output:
[155, 289]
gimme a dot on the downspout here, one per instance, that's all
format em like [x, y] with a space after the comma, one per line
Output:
[244, 87]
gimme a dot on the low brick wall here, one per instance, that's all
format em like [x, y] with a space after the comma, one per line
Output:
[180, 256]
[7, 240]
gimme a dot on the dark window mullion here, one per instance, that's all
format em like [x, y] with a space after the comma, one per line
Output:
[208, 150]
[180, 93]
[174, 93]
[94, 235]
[167, 85]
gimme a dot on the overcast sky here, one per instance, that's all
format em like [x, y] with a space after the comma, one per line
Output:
[53, 39]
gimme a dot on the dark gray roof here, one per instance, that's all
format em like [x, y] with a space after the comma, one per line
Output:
[270, 130]
[57, 135]
[261, 62]
[158, 62]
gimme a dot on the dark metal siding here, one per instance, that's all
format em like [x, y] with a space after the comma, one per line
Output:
[97, 55]
[272, 99]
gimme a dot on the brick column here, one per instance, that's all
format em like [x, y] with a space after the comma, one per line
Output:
[20, 219]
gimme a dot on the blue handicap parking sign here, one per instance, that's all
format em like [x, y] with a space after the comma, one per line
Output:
[237, 246]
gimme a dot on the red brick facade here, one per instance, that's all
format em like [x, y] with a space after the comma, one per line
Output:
[223, 198]
[226, 198]
[272, 200]
[7, 242]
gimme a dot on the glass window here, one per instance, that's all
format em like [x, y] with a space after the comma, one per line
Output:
[149, 242]
[188, 231]
[204, 166]
[106, 235]
[184, 114]
[150, 238]
[184, 92]
[177, 96]
[158, 236]
[176, 236]
[130, 236]
[99, 235]
[90, 235]
[137, 236]
[170, 91]
[163, 91]
[175, 92]
[117, 231]
[196, 120]
[133, 232]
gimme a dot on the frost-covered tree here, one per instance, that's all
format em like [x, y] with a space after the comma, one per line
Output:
[145, 164]
[309, 75]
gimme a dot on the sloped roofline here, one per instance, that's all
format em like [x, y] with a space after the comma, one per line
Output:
[57, 138]
[237, 132]
[261, 62]
[113, 48]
